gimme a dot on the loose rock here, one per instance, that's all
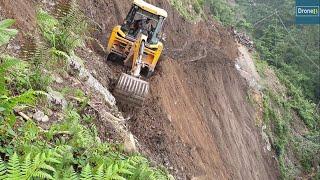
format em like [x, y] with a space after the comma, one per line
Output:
[40, 116]
[129, 144]
[57, 78]
[56, 98]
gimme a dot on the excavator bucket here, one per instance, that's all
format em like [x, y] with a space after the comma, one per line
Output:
[131, 90]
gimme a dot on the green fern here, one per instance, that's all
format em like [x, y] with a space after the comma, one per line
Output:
[6, 63]
[48, 26]
[5, 33]
[77, 142]
[2, 169]
[64, 35]
[99, 173]
[7, 102]
[14, 168]
[38, 167]
[86, 173]
[18, 76]
[114, 172]
[71, 175]
[26, 165]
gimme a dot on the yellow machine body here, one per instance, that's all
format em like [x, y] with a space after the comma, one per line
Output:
[121, 45]
[140, 46]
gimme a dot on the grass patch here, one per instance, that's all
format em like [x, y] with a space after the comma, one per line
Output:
[189, 9]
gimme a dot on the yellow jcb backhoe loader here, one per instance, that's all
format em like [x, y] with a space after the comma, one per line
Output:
[137, 42]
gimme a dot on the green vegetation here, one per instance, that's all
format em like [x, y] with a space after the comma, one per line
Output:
[65, 34]
[189, 9]
[67, 149]
[72, 149]
[292, 51]
[279, 117]
[5, 33]
[222, 11]
[282, 112]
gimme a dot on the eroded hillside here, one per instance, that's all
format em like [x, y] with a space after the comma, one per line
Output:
[197, 121]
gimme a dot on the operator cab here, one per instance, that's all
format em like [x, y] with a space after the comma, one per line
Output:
[144, 18]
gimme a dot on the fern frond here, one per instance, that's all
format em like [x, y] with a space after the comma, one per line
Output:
[100, 173]
[38, 168]
[26, 98]
[6, 23]
[26, 165]
[53, 156]
[52, 160]
[47, 167]
[3, 169]
[108, 173]
[36, 159]
[42, 175]
[126, 168]
[7, 62]
[118, 177]
[125, 171]
[71, 174]
[46, 22]
[160, 175]
[86, 173]
[56, 52]
[114, 172]
[13, 171]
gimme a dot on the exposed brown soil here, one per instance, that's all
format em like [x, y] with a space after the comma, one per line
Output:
[197, 121]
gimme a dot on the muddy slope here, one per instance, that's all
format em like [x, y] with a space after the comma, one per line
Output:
[197, 121]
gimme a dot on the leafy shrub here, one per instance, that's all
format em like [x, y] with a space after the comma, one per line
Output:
[278, 114]
[305, 108]
[197, 7]
[222, 11]
[39, 81]
[8, 101]
[5, 33]
[65, 34]
[307, 148]
[184, 9]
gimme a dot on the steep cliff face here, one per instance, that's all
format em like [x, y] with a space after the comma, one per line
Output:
[197, 121]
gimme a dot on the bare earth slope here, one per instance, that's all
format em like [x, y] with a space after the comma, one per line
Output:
[197, 121]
